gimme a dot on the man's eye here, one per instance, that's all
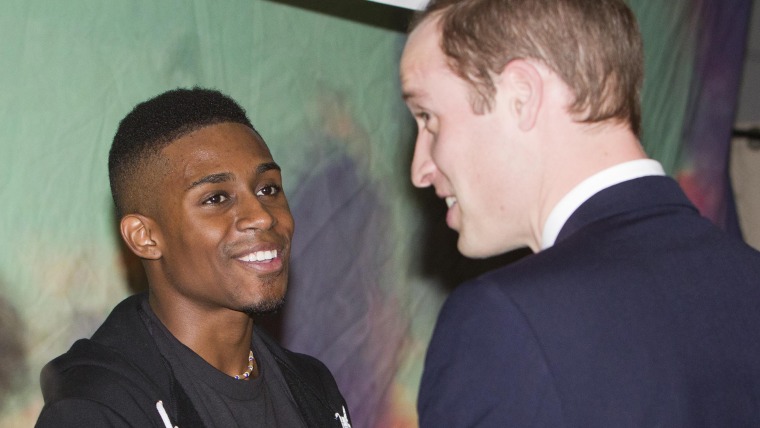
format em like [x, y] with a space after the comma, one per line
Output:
[269, 190]
[215, 199]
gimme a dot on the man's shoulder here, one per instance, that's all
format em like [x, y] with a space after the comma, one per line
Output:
[111, 361]
[493, 298]
[90, 370]
[93, 373]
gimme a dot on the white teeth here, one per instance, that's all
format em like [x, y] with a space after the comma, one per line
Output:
[450, 200]
[259, 256]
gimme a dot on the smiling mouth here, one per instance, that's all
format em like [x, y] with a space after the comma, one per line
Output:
[450, 201]
[259, 256]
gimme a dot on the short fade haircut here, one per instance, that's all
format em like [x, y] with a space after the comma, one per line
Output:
[593, 45]
[153, 125]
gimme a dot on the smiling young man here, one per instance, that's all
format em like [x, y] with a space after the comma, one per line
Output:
[201, 203]
[634, 310]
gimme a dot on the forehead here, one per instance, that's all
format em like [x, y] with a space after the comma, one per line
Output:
[224, 146]
[422, 51]
[422, 59]
[425, 36]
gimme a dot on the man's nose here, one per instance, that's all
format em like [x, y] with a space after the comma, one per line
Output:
[253, 214]
[423, 168]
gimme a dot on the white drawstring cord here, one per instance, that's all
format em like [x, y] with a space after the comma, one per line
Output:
[164, 416]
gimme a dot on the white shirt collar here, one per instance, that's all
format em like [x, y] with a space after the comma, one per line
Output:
[591, 186]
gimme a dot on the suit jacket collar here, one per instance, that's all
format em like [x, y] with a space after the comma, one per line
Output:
[637, 194]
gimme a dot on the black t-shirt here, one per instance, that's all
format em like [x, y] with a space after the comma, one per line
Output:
[221, 400]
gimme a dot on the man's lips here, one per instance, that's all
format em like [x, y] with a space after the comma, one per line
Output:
[259, 256]
[264, 260]
[259, 252]
[451, 213]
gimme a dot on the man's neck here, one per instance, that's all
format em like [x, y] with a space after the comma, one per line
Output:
[582, 151]
[222, 337]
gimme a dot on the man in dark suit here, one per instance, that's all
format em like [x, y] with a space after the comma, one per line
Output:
[634, 310]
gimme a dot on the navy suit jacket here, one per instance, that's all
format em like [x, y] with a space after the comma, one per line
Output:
[643, 314]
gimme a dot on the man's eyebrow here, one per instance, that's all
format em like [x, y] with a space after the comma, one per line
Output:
[227, 176]
[213, 178]
[413, 96]
[266, 166]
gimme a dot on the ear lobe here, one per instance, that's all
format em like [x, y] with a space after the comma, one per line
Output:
[525, 88]
[139, 235]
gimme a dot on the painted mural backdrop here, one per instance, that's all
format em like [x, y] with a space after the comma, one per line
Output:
[373, 259]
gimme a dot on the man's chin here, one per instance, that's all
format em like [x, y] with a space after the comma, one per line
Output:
[265, 307]
[470, 249]
[479, 249]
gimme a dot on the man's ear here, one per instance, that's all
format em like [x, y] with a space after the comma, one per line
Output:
[141, 236]
[525, 90]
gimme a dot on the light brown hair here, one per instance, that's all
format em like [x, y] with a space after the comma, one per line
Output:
[593, 45]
